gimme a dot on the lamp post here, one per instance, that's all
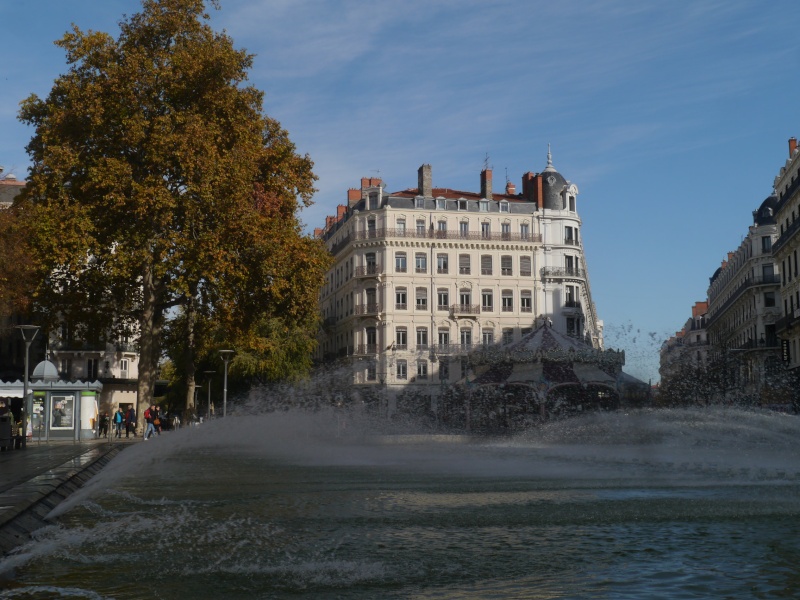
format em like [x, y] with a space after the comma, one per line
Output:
[28, 334]
[226, 357]
[208, 406]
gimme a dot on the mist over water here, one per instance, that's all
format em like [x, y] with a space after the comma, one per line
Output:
[332, 503]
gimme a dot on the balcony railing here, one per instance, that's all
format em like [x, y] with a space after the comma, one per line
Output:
[450, 349]
[571, 242]
[401, 306]
[781, 241]
[737, 293]
[465, 309]
[368, 309]
[526, 309]
[400, 232]
[442, 270]
[366, 349]
[563, 272]
[368, 270]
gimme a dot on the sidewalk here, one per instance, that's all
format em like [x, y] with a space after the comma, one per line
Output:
[35, 480]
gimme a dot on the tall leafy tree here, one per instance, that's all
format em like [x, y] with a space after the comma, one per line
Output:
[158, 182]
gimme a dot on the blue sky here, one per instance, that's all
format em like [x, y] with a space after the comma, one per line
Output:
[671, 117]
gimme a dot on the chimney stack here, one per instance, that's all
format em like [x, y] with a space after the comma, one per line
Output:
[792, 146]
[425, 181]
[486, 184]
[511, 189]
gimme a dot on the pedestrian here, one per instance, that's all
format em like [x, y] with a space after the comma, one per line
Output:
[149, 417]
[119, 418]
[130, 422]
[157, 419]
[105, 421]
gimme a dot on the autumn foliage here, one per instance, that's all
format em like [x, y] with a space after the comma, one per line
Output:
[161, 197]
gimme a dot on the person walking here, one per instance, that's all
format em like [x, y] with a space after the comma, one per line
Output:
[149, 417]
[119, 419]
[130, 422]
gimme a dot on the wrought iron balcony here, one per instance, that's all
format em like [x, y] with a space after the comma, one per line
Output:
[362, 349]
[368, 309]
[452, 349]
[401, 232]
[465, 309]
[367, 270]
[563, 272]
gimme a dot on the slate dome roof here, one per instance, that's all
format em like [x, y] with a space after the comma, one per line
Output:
[553, 184]
[765, 215]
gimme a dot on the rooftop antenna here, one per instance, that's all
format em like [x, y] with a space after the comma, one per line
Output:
[486, 162]
[506, 174]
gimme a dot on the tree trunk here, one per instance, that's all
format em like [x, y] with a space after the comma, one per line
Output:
[150, 330]
[189, 354]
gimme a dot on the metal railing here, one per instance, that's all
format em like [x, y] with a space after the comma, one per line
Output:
[400, 232]
[465, 309]
[562, 272]
[367, 309]
[367, 270]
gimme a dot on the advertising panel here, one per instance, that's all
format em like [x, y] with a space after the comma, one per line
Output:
[63, 415]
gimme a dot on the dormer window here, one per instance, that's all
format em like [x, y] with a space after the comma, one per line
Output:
[419, 202]
[504, 207]
[484, 206]
[441, 204]
[462, 205]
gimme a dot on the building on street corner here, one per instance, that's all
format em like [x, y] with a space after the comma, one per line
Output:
[424, 275]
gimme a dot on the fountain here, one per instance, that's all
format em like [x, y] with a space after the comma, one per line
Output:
[314, 504]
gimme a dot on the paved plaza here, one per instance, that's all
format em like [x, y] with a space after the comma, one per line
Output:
[36, 479]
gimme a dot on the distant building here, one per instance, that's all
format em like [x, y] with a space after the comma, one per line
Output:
[688, 348]
[424, 275]
[10, 188]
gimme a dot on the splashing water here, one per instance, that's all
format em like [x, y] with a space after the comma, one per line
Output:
[673, 503]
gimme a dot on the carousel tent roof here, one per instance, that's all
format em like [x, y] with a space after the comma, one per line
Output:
[554, 359]
[547, 339]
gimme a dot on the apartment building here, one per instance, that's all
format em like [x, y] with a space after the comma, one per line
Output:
[785, 253]
[424, 275]
[743, 310]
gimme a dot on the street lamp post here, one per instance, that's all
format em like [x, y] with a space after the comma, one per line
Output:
[208, 406]
[226, 357]
[28, 334]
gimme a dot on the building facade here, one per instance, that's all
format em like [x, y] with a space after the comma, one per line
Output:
[743, 310]
[687, 350]
[785, 251]
[424, 275]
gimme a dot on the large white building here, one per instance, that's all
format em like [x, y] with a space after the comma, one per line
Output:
[423, 275]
